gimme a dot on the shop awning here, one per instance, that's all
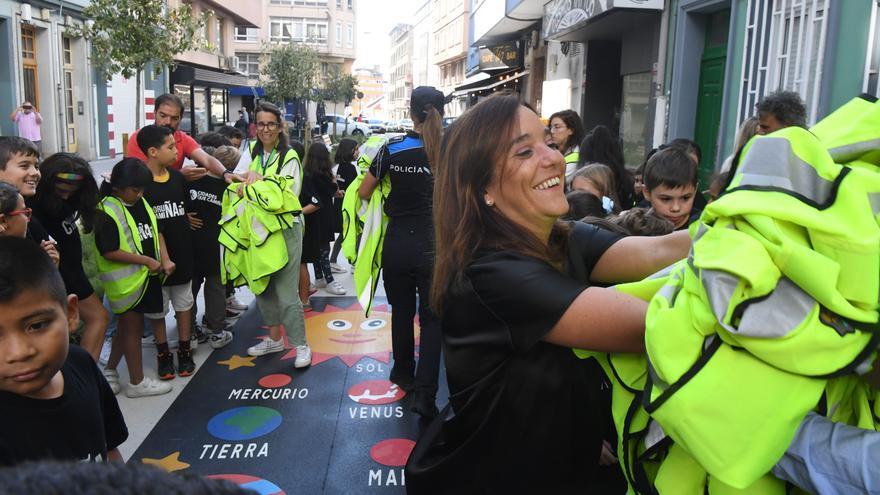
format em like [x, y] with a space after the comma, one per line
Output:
[502, 20]
[491, 82]
[254, 91]
[565, 20]
[187, 74]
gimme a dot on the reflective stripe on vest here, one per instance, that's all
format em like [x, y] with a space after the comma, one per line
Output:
[771, 164]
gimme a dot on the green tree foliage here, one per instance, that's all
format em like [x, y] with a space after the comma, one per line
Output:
[126, 35]
[338, 87]
[290, 71]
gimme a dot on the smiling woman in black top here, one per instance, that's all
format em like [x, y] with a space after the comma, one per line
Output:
[512, 287]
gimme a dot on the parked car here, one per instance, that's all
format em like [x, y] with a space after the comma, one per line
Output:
[405, 125]
[344, 126]
[377, 126]
[447, 121]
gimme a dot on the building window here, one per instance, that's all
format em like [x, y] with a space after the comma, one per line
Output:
[67, 53]
[29, 64]
[305, 3]
[872, 61]
[784, 50]
[247, 34]
[249, 64]
[350, 36]
[338, 34]
[338, 4]
[218, 33]
[325, 69]
[297, 29]
[350, 6]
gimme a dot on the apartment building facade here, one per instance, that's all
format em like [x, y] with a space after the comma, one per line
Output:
[329, 26]
[450, 20]
[400, 83]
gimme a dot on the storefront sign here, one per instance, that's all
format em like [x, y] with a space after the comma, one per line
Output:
[562, 15]
[504, 56]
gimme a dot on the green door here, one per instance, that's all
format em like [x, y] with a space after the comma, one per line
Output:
[711, 91]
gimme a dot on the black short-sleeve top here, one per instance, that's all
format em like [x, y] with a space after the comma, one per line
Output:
[524, 413]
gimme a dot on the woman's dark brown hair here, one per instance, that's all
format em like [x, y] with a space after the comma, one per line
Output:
[471, 155]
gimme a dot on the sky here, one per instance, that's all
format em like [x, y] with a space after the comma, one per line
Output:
[375, 19]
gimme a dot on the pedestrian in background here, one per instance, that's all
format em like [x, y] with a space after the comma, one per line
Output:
[29, 120]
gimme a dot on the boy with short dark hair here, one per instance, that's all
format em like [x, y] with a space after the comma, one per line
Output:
[204, 209]
[670, 186]
[19, 166]
[167, 195]
[53, 400]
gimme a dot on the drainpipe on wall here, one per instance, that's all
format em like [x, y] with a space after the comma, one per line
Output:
[660, 103]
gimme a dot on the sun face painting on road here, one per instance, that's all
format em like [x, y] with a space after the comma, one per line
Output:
[345, 333]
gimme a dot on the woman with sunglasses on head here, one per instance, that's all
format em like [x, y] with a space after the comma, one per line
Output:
[67, 197]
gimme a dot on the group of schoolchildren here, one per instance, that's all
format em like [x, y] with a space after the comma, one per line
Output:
[660, 197]
[155, 238]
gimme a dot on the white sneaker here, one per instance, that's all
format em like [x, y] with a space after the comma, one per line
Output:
[336, 268]
[220, 339]
[233, 304]
[105, 351]
[320, 283]
[193, 341]
[146, 388]
[267, 346]
[112, 377]
[335, 288]
[303, 356]
[148, 341]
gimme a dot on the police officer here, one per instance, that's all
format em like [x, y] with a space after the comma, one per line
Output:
[407, 257]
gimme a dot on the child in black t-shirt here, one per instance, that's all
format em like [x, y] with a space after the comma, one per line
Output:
[53, 400]
[124, 200]
[203, 208]
[167, 195]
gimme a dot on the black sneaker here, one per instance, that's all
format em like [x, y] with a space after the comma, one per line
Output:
[403, 378]
[201, 335]
[185, 364]
[425, 405]
[166, 366]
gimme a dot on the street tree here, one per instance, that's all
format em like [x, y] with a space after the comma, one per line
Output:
[290, 72]
[126, 35]
[338, 87]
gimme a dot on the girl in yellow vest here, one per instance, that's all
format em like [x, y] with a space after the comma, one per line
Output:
[131, 268]
[567, 130]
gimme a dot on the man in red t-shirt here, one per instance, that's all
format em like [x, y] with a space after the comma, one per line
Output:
[168, 110]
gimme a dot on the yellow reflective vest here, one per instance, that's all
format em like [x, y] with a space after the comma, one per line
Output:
[251, 228]
[124, 283]
[773, 312]
[363, 225]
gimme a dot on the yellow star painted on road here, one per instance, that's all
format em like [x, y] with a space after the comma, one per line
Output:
[169, 463]
[237, 361]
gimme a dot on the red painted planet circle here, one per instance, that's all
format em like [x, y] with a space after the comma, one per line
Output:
[392, 452]
[375, 392]
[275, 381]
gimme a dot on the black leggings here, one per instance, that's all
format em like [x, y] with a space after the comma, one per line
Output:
[407, 262]
[322, 267]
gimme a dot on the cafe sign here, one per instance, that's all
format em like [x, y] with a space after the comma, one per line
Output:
[502, 56]
[562, 15]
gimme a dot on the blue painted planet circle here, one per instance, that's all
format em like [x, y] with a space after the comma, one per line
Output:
[244, 423]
